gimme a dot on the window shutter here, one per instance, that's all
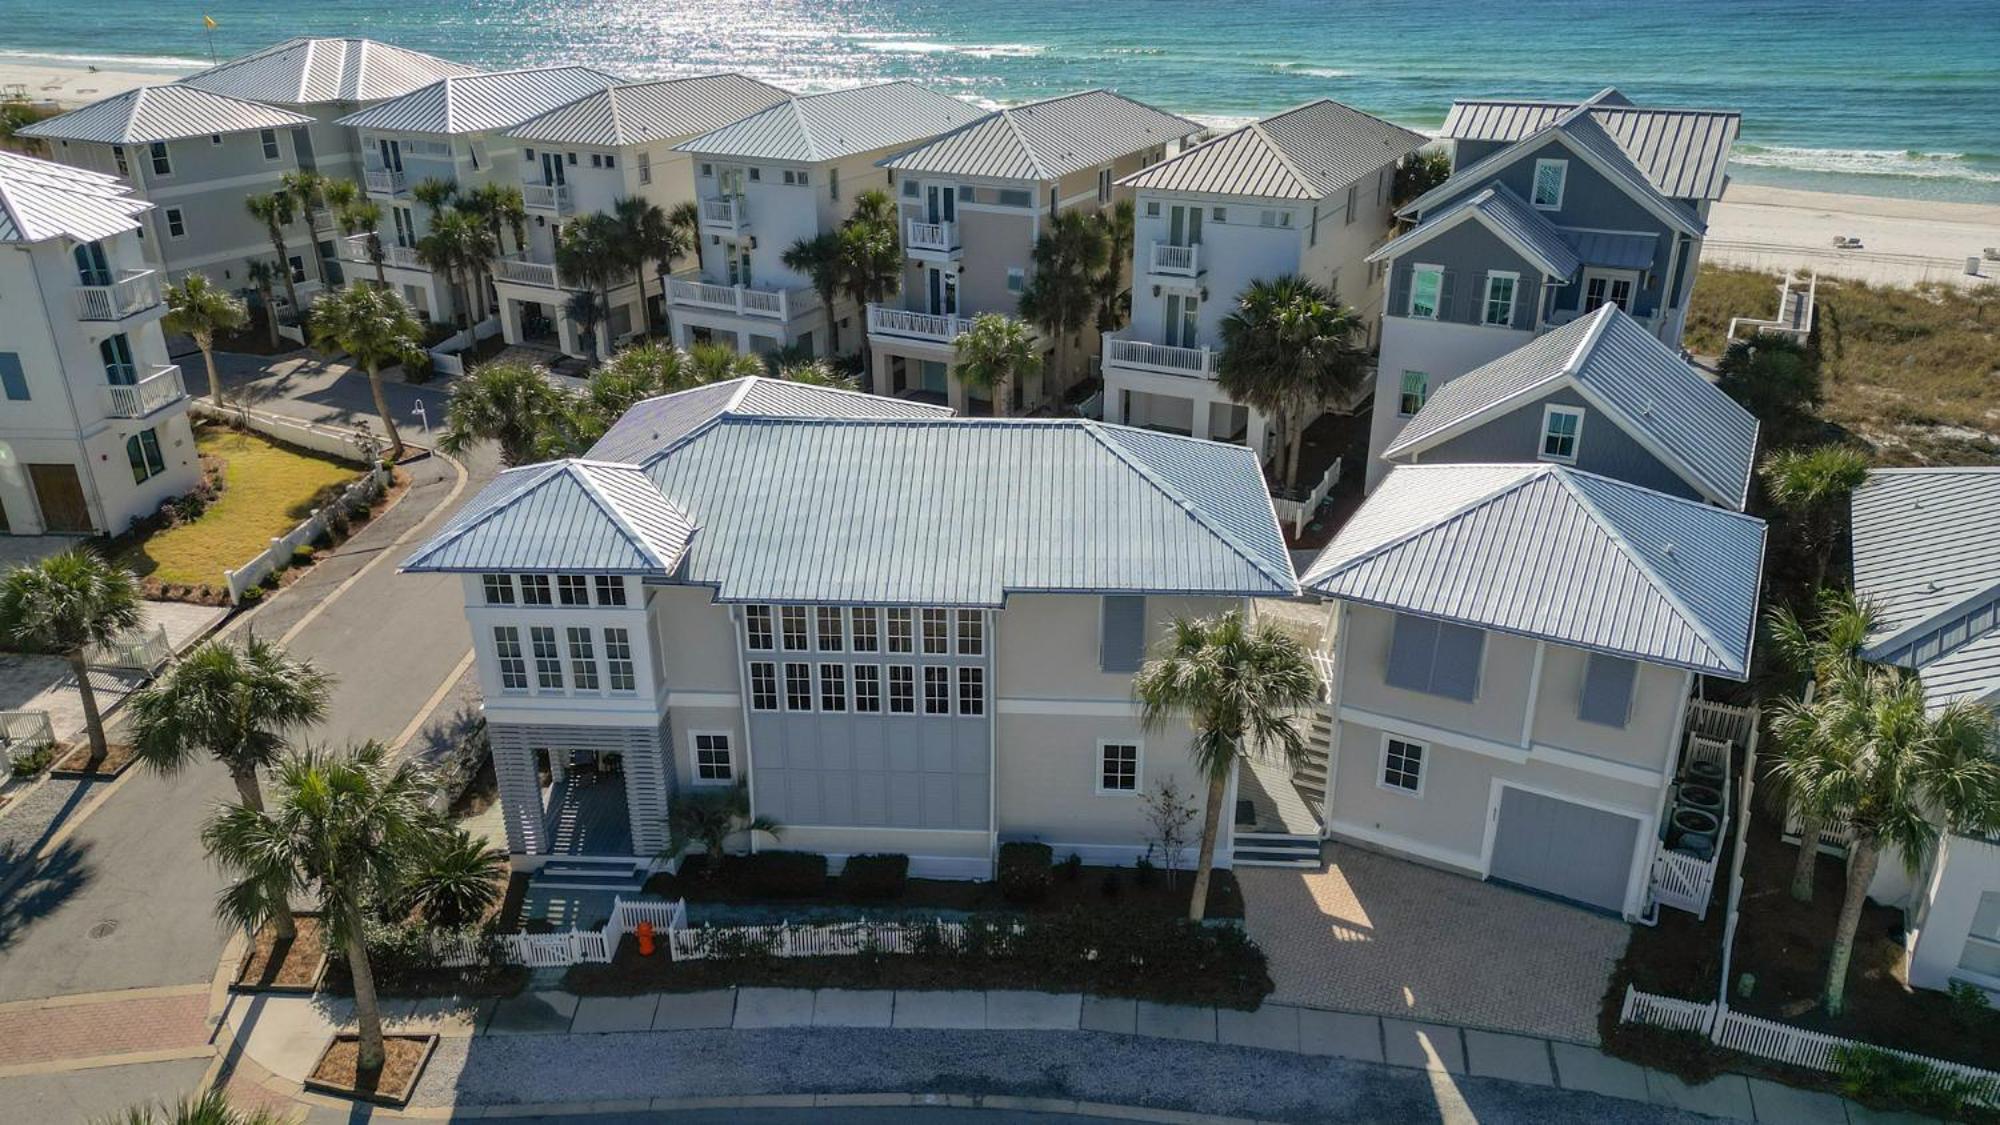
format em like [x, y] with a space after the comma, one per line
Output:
[1607, 690]
[1412, 651]
[1456, 671]
[1399, 288]
[13, 379]
[1445, 309]
[1121, 645]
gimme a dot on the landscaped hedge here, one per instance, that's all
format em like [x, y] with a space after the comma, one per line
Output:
[1025, 873]
[782, 874]
[874, 878]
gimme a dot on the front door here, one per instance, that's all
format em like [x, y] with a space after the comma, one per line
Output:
[1606, 288]
[92, 268]
[943, 292]
[1184, 225]
[739, 263]
[552, 168]
[730, 180]
[942, 201]
[60, 496]
[1183, 313]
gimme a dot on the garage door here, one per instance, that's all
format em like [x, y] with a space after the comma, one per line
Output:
[1567, 850]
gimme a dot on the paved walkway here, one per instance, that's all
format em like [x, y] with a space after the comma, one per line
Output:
[45, 683]
[146, 1025]
[1373, 933]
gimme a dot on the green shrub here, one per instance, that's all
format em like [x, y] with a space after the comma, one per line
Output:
[1969, 1005]
[35, 759]
[874, 877]
[302, 555]
[1146, 874]
[1024, 871]
[1687, 1055]
[250, 596]
[1874, 1076]
[784, 874]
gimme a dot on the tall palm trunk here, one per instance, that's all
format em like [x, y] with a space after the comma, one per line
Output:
[285, 268]
[666, 305]
[93, 722]
[367, 1009]
[1204, 864]
[270, 315]
[376, 255]
[284, 925]
[1808, 858]
[382, 410]
[1862, 859]
[206, 343]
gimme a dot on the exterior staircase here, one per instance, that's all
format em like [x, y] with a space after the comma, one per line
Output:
[1310, 778]
[1275, 849]
[604, 873]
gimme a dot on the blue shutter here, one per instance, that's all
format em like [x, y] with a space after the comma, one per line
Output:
[1412, 651]
[1121, 643]
[1456, 671]
[1446, 310]
[1399, 289]
[1607, 690]
[13, 380]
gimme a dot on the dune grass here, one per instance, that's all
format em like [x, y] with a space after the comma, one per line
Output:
[1914, 372]
[267, 489]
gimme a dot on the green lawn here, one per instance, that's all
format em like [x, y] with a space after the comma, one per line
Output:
[267, 489]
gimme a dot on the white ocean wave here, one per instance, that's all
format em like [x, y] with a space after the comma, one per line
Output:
[918, 45]
[1316, 71]
[1866, 162]
[109, 62]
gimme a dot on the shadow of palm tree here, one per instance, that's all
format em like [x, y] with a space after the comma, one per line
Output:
[40, 885]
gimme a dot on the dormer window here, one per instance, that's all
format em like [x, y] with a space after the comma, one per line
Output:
[1550, 176]
[1498, 308]
[1562, 429]
[1426, 291]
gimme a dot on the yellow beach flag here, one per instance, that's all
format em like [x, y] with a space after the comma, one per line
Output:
[208, 21]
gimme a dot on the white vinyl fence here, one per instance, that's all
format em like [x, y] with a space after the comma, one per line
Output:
[356, 443]
[838, 939]
[444, 357]
[358, 494]
[1299, 513]
[142, 650]
[568, 947]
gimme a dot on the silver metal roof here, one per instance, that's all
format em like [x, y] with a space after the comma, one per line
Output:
[1047, 140]
[652, 427]
[1310, 152]
[1927, 557]
[40, 199]
[1628, 374]
[162, 113]
[313, 71]
[1505, 214]
[1609, 248]
[481, 103]
[814, 127]
[645, 112]
[1548, 552]
[1684, 152]
[563, 515]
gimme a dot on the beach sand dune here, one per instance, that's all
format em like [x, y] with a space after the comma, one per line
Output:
[1903, 241]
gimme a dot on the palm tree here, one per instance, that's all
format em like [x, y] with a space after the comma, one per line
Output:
[197, 309]
[264, 275]
[644, 235]
[639, 372]
[459, 246]
[683, 238]
[1286, 350]
[68, 603]
[1811, 486]
[364, 216]
[1062, 294]
[455, 879]
[586, 312]
[207, 1108]
[588, 254]
[308, 191]
[1814, 659]
[819, 258]
[278, 210]
[1114, 298]
[997, 354]
[501, 207]
[376, 328]
[346, 829]
[512, 404]
[815, 373]
[1237, 686]
[871, 251]
[717, 363]
[233, 704]
[435, 194]
[710, 818]
[1871, 751]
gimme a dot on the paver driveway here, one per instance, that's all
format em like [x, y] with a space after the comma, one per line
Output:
[1370, 933]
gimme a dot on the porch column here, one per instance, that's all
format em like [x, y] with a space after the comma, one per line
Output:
[1259, 433]
[954, 390]
[1199, 422]
[1114, 404]
[566, 333]
[520, 790]
[510, 320]
[878, 370]
[649, 786]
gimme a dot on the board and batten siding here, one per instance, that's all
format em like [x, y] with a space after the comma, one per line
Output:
[1603, 446]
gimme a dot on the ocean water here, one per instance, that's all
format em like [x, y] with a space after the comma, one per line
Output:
[1899, 99]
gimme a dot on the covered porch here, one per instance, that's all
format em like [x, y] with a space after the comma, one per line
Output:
[580, 792]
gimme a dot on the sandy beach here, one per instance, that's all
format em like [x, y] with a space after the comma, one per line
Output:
[72, 86]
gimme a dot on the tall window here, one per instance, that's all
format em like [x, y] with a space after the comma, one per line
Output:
[176, 223]
[798, 687]
[793, 619]
[1403, 765]
[1982, 944]
[763, 686]
[1561, 427]
[499, 589]
[757, 628]
[937, 690]
[1499, 306]
[269, 139]
[1549, 177]
[610, 589]
[618, 660]
[902, 689]
[1426, 291]
[161, 165]
[1117, 767]
[712, 765]
[548, 661]
[582, 659]
[937, 632]
[143, 451]
[507, 649]
[833, 687]
[645, 167]
[868, 688]
[972, 691]
[901, 637]
[832, 637]
[118, 154]
[971, 632]
[1415, 390]
[573, 589]
[864, 623]
[534, 589]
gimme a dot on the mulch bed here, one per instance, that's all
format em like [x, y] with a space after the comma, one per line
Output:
[403, 1062]
[76, 763]
[473, 983]
[1085, 890]
[290, 966]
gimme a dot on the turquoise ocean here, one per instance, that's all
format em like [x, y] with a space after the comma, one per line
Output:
[1882, 98]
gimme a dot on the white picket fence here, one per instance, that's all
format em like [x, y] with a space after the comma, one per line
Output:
[1721, 721]
[281, 549]
[142, 650]
[1299, 513]
[839, 939]
[1768, 1039]
[564, 948]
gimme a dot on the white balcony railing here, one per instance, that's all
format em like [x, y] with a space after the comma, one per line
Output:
[930, 238]
[132, 293]
[1164, 359]
[136, 400]
[936, 328]
[385, 181]
[518, 270]
[354, 248]
[1176, 261]
[727, 214]
[774, 304]
[546, 197]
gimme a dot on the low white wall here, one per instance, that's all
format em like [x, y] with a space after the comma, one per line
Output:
[280, 551]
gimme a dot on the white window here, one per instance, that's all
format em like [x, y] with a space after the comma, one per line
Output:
[798, 687]
[573, 589]
[161, 165]
[1982, 945]
[901, 636]
[833, 687]
[269, 139]
[596, 160]
[1601, 288]
[507, 649]
[1353, 202]
[1426, 291]
[215, 139]
[1414, 392]
[763, 686]
[1117, 767]
[868, 688]
[832, 636]
[1562, 428]
[610, 590]
[1103, 185]
[298, 265]
[902, 689]
[611, 160]
[937, 632]
[1499, 304]
[937, 690]
[645, 168]
[535, 589]
[1549, 179]
[1152, 208]
[1403, 766]
[708, 169]
[757, 628]
[618, 660]
[971, 632]
[548, 660]
[867, 637]
[911, 189]
[582, 659]
[972, 691]
[1017, 279]
[712, 763]
[499, 589]
[176, 223]
[1218, 214]
[793, 618]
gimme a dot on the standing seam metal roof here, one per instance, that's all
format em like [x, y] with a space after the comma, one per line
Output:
[1548, 552]
[1683, 152]
[40, 199]
[1506, 214]
[162, 113]
[811, 128]
[1046, 140]
[479, 103]
[1927, 557]
[314, 71]
[651, 428]
[645, 112]
[1310, 152]
[562, 515]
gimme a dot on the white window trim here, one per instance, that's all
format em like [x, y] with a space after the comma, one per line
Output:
[1576, 440]
[1403, 380]
[1630, 277]
[1513, 299]
[1562, 186]
[167, 217]
[1138, 768]
[1423, 765]
[694, 759]
[1410, 306]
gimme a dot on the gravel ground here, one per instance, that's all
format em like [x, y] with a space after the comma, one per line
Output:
[1205, 1078]
[28, 818]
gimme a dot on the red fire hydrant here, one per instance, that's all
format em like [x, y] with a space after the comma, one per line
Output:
[644, 931]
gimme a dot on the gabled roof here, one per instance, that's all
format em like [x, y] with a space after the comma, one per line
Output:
[811, 128]
[562, 515]
[1509, 217]
[480, 103]
[1046, 140]
[1310, 152]
[653, 427]
[1703, 435]
[1683, 152]
[162, 113]
[40, 199]
[1927, 557]
[1548, 552]
[644, 112]
[313, 71]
